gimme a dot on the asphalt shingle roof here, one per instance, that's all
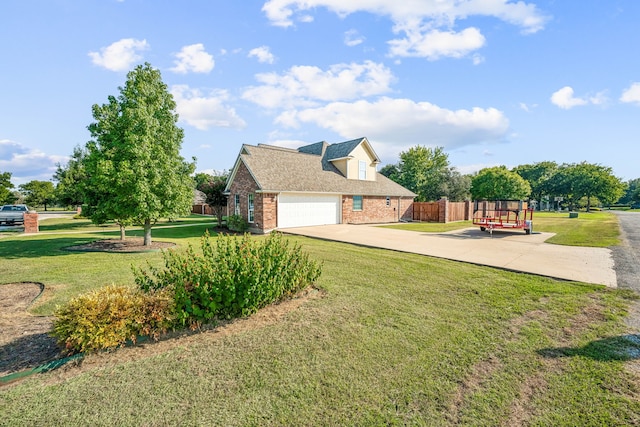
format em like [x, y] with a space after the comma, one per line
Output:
[276, 169]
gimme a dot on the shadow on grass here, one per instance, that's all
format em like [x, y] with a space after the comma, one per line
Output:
[28, 351]
[620, 348]
[41, 246]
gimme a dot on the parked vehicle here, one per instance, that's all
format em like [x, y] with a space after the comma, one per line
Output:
[13, 214]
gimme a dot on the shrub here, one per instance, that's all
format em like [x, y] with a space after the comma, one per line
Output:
[110, 316]
[237, 223]
[235, 277]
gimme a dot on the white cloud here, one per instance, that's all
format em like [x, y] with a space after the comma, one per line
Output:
[631, 94]
[26, 164]
[120, 55]
[565, 99]
[421, 22]
[353, 38]
[405, 122]
[436, 44]
[263, 54]
[307, 85]
[193, 58]
[205, 111]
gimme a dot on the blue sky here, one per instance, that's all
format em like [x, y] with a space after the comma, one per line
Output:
[494, 82]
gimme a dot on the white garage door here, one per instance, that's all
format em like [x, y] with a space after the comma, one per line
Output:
[299, 210]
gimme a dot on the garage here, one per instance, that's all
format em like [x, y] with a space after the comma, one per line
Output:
[301, 209]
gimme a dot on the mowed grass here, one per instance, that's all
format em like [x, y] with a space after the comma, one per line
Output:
[397, 339]
[593, 229]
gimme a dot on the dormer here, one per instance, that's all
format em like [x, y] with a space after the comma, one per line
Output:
[355, 159]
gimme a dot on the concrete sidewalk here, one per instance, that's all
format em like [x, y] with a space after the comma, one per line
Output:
[512, 250]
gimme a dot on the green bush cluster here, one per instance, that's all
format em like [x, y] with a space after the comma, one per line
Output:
[233, 276]
[237, 223]
[110, 316]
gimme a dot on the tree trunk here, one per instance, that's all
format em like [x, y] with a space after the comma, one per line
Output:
[147, 232]
[122, 232]
[588, 203]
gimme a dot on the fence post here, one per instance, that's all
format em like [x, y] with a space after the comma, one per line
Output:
[443, 210]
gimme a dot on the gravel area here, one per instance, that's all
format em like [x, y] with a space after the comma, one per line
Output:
[627, 260]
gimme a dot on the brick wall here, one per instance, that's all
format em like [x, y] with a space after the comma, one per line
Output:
[243, 184]
[31, 222]
[265, 212]
[375, 209]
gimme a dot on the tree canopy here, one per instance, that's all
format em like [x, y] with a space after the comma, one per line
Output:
[499, 183]
[575, 181]
[213, 188]
[38, 193]
[135, 173]
[537, 175]
[70, 179]
[6, 195]
[632, 192]
[426, 172]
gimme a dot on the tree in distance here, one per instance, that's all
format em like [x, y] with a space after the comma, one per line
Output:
[134, 171]
[499, 183]
[213, 187]
[70, 179]
[426, 172]
[38, 193]
[6, 195]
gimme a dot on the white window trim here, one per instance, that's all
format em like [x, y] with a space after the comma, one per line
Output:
[362, 170]
[236, 201]
[250, 208]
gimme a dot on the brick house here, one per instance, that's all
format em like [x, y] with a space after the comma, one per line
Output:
[274, 187]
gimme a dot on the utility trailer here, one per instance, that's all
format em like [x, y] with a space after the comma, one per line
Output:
[503, 214]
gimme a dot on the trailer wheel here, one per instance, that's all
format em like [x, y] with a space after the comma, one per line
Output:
[483, 228]
[527, 231]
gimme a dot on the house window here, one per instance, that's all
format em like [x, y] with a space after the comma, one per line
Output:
[250, 216]
[357, 203]
[388, 201]
[362, 169]
[236, 208]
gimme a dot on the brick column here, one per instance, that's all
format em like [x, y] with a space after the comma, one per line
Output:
[443, 210]
[31, 222]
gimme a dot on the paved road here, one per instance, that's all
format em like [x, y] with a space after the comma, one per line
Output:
[627, 255]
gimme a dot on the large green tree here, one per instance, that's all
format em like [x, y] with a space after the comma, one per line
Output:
[70, 179]
[135, 173]
[575, 181]
[537, 175]
[38, 193]
[499, 183]
[6, 195]
[426, 172]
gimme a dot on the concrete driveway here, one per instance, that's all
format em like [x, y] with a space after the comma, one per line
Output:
[511, 250]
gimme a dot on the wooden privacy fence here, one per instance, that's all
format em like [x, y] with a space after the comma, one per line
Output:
[442, 211]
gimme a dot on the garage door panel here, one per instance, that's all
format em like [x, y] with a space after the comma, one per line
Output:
[299, 210]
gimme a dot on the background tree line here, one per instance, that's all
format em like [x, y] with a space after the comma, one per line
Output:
[427, 172]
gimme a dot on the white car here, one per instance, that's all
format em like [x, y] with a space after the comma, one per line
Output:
[13, 214]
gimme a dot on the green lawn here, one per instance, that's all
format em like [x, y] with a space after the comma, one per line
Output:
[397, 339]
[594, 229]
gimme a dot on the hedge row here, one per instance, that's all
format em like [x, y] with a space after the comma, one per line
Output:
[229, 277]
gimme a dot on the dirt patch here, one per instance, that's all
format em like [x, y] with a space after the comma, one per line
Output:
[24, 339]
[130, 244]
[25, 342]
